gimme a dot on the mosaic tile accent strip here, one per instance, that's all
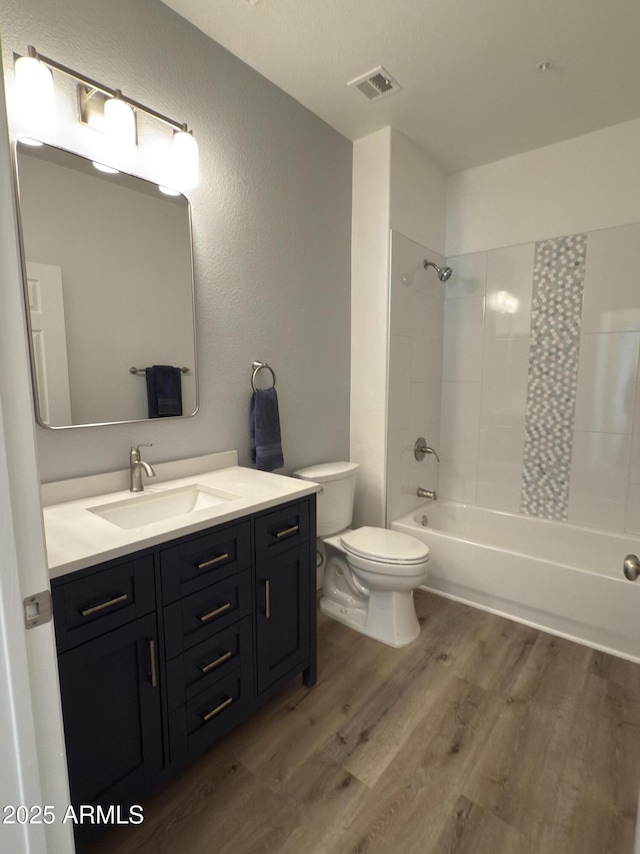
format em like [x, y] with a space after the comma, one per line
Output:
[556, 314]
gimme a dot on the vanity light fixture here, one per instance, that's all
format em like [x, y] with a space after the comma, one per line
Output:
[105, 109]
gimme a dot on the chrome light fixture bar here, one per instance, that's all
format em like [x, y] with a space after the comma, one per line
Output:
[92, 86]
[94, 96]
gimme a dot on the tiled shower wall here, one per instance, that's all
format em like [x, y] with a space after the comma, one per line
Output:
[417, 300]
[540, 411]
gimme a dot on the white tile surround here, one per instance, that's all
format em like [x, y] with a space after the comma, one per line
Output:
[486, 327]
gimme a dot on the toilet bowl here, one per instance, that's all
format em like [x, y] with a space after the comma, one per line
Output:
[370, 573]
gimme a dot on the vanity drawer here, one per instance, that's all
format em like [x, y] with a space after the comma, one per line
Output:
[201, 615]
[104, 600]
[284, 527]
[200, 667]
[209, 715]
[200, 561]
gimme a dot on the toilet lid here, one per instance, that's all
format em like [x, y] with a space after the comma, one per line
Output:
[384, 546]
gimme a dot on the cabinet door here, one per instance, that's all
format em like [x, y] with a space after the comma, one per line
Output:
[282, 607]
[111, 710]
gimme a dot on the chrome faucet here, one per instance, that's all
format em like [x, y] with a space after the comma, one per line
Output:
[136, 465]
[427, 493]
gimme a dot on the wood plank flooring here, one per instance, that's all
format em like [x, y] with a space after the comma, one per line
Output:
[482, 737]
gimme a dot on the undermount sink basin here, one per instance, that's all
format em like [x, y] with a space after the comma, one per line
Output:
[161, 506]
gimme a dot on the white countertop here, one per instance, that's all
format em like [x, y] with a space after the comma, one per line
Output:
[78, 538]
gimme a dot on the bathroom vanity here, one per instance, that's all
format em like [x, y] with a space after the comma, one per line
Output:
[189, 626]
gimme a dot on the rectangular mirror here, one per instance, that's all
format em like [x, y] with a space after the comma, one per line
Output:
[108, 274]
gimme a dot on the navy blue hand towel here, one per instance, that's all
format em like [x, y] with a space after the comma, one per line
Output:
[164, 391]
[264, 430]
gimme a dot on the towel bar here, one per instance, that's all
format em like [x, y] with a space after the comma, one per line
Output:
[259, 366]
[144, 370]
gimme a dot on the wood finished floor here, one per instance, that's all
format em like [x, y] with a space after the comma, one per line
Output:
[482, 737]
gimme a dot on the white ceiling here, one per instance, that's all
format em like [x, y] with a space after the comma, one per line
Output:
[471, 90]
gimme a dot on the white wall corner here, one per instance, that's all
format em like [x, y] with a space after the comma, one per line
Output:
[418, 194]
[370, 321]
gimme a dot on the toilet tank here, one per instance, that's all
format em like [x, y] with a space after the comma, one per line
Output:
[335, 502]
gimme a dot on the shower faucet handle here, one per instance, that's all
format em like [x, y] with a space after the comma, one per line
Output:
[421, 449]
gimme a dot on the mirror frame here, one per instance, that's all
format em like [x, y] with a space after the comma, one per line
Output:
[25, 295]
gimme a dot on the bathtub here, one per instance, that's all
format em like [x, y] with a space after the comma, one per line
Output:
[556, 577]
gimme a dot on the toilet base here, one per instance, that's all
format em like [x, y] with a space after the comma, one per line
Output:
[387, 617]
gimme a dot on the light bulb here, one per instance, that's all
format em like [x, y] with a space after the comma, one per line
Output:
[102, 167]
[35, 93]
[185, 167]
[120, 130]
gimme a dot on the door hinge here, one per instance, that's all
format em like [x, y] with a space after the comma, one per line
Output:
[37, 609]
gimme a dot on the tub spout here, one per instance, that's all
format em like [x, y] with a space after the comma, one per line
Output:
[427, 493]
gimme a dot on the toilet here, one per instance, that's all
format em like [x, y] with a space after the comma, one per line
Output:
[370, 573]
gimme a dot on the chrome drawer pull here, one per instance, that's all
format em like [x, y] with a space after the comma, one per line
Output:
[95, 608]
[214, 560]
[292, 530]
[267, 598]
[219, 610]
[205, 668]
[217, 709]
[152, 660]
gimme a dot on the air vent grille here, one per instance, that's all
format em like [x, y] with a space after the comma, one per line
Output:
[375, 84]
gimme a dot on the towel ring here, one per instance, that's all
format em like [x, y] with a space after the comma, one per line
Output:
[259, 366]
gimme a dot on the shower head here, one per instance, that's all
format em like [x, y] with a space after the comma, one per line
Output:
[444, 273]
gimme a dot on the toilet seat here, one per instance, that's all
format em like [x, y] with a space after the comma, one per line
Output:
[382, 550]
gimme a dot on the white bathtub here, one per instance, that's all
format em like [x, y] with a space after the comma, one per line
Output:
[557, 577]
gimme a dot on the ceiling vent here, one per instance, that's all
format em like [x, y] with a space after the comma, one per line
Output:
[376, 84]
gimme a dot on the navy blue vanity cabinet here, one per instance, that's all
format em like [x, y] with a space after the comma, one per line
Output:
[161, 654]
[285, 596]
[108, 644]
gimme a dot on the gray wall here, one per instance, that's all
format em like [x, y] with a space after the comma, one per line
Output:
[272, 225]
